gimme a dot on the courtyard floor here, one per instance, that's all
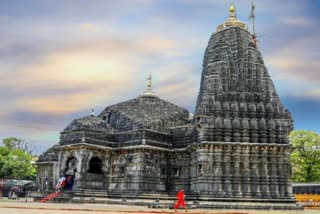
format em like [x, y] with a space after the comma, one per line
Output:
[22, 207]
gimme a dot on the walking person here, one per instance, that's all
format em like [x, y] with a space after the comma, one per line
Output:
[180, 200]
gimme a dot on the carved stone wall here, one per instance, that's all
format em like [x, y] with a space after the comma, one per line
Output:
[46, 176]
[179, 171]
[241, 170]
[137, 171]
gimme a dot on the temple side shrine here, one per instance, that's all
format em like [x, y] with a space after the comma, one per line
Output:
[233, 153]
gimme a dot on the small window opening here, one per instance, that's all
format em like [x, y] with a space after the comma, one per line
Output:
[200, 169]
[163, 171]
[122, 170]
[176, 172]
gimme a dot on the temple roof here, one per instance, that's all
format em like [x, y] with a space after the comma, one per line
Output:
[89, 122]
[146, 111]
[49, 156]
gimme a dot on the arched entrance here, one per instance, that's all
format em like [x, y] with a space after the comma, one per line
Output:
[95, 178]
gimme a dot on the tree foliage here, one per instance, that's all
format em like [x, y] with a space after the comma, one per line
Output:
[305, 158]
[16, 161]
[16, 143]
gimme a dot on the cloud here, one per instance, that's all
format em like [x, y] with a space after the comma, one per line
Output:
[314, 94]
[298, 60]
[178, 83]
[88, 27]
[66, 79]
[297, 21]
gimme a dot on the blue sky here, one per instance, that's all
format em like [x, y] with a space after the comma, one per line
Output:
[59, 59]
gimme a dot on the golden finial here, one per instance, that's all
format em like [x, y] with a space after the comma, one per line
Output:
[232, 9]
[232, 12]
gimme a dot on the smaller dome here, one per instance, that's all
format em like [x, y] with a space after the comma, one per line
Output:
[89, 122]
[148, 93]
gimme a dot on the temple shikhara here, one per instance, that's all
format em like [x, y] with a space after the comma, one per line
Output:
[233, 152]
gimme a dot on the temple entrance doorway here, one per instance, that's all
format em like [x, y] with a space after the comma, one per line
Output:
[95, 177]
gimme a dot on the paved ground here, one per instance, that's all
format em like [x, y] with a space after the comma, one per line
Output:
[19, 207]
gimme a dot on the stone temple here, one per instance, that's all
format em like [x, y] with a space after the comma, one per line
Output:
[233, 153]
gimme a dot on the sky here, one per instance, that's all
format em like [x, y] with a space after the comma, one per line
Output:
[61, 58]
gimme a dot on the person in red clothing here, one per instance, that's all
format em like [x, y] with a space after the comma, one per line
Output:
[180, 202]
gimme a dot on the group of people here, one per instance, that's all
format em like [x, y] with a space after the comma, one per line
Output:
[65, 182]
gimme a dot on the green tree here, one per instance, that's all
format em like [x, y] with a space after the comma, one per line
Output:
[305, 158]
[15, 162]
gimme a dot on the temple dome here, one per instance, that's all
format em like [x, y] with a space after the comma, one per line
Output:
[149, 112]
[89, 122]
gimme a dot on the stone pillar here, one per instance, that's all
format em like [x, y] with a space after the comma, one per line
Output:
[255, 181]
[245, 187]
[227, 175]
[286, 190]
[212, 166]
[288, 172]
[218, 171]
[264, 182]
[274, 189]
[236, 181]
[281, 167]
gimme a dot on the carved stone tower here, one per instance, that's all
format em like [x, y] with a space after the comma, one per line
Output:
[242, 126]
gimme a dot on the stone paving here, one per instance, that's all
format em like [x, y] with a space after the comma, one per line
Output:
[54, 208]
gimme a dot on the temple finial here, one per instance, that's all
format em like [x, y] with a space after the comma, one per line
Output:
[92, 114]
[232, 11]
[148, 92]
[252, 16]
[232, 20]
[149, 83]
